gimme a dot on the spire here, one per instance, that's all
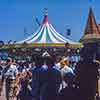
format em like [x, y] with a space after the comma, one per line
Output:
[91, 27]
[92, 33]
[45, 20]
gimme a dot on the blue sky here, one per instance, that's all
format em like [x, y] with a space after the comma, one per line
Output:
[15, 15]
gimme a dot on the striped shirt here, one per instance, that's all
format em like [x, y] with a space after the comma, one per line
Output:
[11, 72]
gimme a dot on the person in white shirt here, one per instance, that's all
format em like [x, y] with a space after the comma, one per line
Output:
[58, 62]
[9, 74]
[65, 69]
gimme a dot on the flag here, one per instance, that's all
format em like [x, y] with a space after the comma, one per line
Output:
[68, 32]
[37, 21]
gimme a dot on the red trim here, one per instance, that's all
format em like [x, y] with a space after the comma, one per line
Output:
[45, 20]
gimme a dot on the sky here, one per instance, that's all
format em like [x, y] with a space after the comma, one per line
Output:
[15, 15]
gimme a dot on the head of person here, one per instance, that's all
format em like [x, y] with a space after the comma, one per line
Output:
[9, 61]
[38, 61]
[66, 61]
[13, 61]
[29, 65]
[33, 64]
[58, 59]
[62, 63]
[48, 59]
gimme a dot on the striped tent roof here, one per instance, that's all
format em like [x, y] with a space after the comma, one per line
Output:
[46, 34]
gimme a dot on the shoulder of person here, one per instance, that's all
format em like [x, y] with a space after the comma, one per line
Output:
[55, 69]
[58, 64]
[97, 62]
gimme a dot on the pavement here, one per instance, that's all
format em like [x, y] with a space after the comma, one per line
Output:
[2, 97]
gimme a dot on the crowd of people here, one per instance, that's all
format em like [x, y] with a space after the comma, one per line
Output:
[46, 78]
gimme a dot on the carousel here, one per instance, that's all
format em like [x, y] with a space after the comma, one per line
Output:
[45, 39]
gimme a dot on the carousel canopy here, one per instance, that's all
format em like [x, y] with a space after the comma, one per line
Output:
[46, 34]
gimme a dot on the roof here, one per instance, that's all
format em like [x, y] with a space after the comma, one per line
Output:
[46, 34]
[92, 31]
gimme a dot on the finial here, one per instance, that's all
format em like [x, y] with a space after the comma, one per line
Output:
[91, 2]
[45, 11]
[90, 11]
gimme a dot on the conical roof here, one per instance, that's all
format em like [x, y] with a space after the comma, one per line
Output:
[92, 33]
[46, 34]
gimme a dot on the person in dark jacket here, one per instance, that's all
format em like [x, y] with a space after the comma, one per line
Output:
[38, 79]
[87, 74]
[51, 86]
